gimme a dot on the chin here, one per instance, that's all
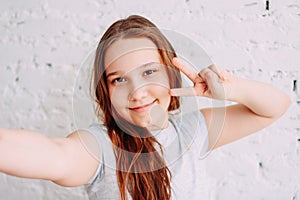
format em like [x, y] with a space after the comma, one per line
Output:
[143, 124]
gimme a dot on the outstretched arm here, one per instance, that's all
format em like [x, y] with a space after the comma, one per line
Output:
[259, 104]
[28, 154]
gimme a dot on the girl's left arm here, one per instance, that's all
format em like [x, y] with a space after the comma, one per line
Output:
[258, 104]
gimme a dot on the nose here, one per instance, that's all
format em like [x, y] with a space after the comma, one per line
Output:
[139, 90]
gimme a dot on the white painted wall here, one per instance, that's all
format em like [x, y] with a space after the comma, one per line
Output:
[44, 42]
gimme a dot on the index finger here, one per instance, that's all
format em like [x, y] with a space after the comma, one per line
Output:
[187, 70]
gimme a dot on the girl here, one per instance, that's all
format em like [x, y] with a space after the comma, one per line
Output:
[142, 151]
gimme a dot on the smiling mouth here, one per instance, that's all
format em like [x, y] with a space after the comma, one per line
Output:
[143, 107]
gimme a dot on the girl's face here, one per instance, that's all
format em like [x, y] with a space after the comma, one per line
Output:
[137, 82]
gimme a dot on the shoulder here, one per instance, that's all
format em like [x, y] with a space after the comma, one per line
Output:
[95, 129]
[87, 138]
[191, 129]
[191, 120]
[93, 138]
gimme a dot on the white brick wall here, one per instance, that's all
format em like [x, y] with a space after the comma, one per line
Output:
[43, 44]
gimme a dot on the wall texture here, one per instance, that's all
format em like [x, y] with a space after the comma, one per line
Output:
[43, 44]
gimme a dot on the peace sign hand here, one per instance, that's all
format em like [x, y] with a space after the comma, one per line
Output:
[212, 82]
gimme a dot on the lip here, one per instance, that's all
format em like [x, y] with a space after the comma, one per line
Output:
[142, 108]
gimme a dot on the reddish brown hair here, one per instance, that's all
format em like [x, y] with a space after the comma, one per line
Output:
[141, 169]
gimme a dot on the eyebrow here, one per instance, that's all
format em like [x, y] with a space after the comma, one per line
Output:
[143, 66]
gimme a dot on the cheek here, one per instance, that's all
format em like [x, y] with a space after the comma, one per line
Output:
[161, 89]
[163, 94]
[118, 97]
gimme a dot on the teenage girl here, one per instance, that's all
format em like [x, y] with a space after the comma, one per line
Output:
[141, 151]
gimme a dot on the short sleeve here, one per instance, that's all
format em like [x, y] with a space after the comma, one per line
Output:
[92, 142]
[103, 185]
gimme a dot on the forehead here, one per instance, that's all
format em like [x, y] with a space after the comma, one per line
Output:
[131, 51]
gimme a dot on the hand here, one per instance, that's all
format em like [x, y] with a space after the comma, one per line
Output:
[212, 82]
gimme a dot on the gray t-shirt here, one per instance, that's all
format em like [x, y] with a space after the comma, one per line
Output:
[184, 141]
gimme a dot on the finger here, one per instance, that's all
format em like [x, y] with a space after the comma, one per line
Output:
[189, 91]
[222, 74]
[215, 87]
[206, 73]
[187, 70]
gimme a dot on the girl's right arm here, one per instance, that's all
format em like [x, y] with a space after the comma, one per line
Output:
[65, 161]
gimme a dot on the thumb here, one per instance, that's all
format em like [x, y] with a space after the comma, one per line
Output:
[215, 87]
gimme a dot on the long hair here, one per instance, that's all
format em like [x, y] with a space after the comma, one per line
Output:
[140, 167]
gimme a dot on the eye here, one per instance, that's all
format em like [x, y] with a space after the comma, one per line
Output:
[118, 80]
[149, 72]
